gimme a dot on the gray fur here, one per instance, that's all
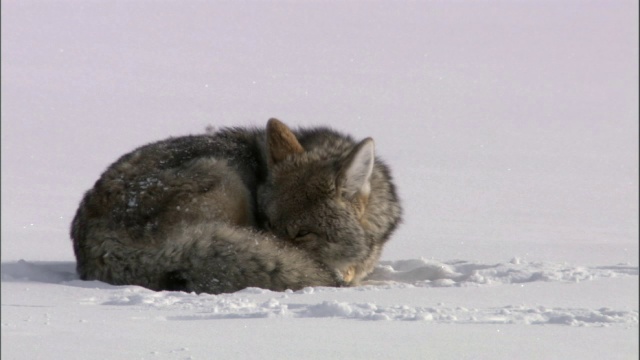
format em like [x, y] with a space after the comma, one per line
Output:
[238, 208]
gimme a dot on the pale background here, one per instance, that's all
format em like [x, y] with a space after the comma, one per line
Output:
[511, 129]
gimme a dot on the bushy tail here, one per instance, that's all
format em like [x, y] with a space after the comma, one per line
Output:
[210, 258]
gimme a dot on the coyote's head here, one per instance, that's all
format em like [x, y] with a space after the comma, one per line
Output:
[317, 198]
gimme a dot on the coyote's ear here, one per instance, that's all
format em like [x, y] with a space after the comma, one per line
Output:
[355, 172]
[281, 142]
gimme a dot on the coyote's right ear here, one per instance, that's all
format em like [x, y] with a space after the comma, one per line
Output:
[355, 172]
[281, 142]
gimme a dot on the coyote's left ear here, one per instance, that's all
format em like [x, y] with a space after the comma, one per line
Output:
[355, 172]
[281, 142]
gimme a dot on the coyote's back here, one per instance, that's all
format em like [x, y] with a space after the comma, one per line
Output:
[239, 208]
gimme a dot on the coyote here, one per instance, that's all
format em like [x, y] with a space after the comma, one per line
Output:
[241, 207]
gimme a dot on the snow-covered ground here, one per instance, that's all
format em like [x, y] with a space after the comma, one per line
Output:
[511, 129]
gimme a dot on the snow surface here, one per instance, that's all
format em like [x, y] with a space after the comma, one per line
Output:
[511, 129]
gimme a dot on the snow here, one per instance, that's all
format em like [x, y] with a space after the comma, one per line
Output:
[511, 129]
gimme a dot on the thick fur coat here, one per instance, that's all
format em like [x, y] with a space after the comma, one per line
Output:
[275, 209]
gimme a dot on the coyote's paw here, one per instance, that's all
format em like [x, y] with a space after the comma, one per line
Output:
[345, 277]
[349, 274]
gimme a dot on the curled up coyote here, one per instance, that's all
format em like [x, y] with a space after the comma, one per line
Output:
[242, 207]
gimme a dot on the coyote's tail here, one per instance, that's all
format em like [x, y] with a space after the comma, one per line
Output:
[208, 257]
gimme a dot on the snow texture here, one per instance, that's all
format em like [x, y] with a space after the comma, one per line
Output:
[250, 303]
[511, 129]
